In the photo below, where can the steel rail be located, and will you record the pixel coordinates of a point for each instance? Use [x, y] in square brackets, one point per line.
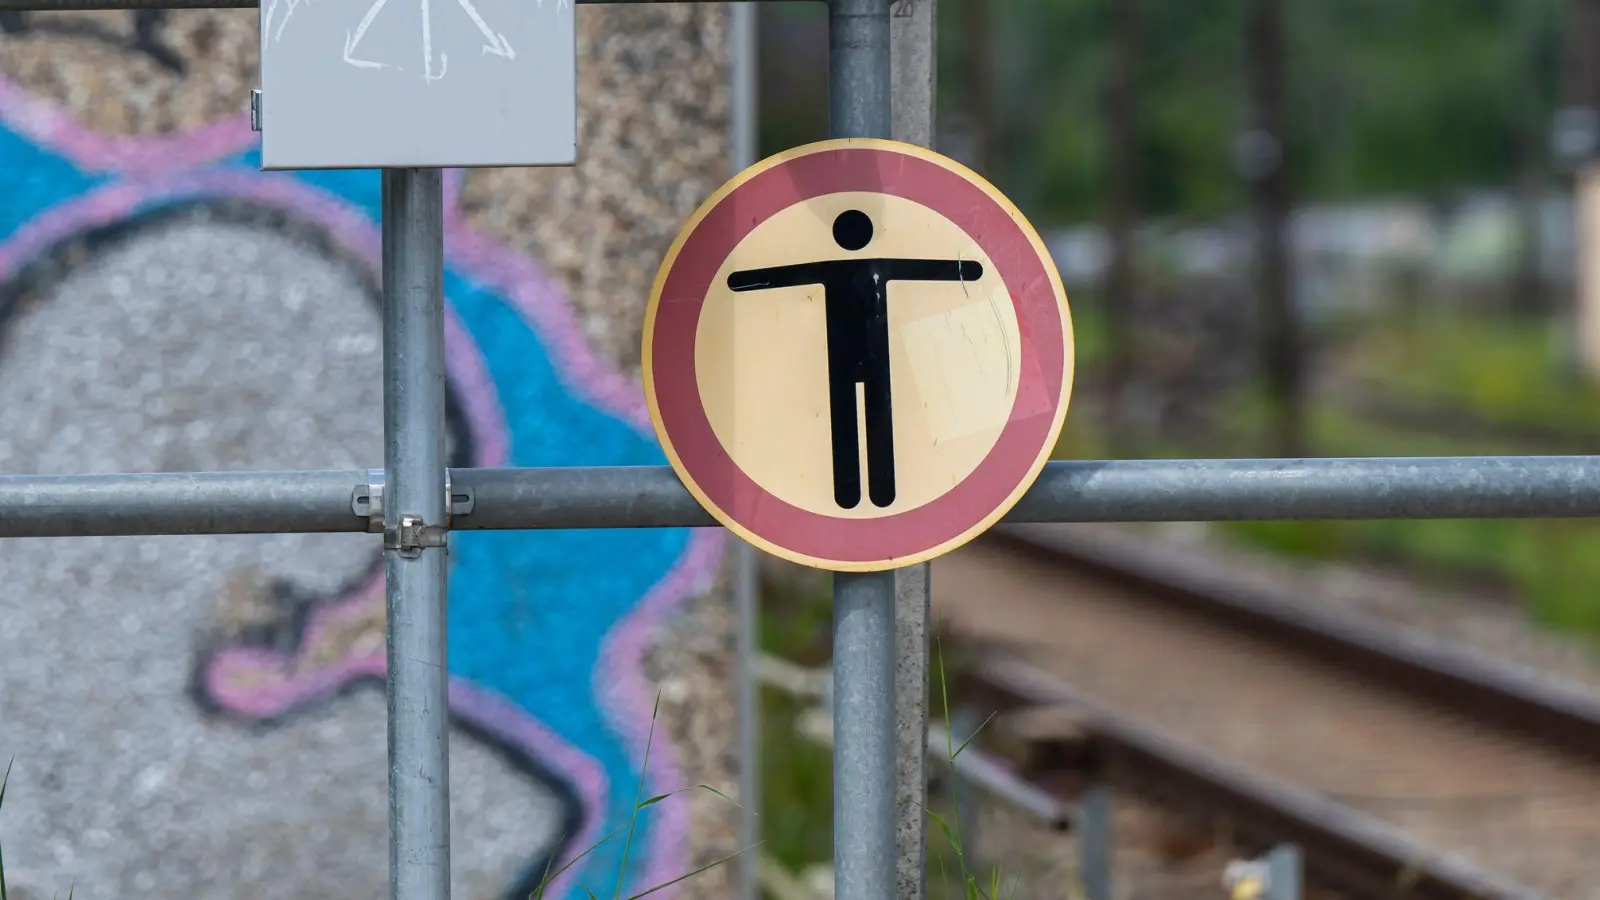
[1343, 848]
[1514, 700]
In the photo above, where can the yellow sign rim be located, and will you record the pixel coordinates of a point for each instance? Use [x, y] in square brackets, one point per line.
[1069, 357]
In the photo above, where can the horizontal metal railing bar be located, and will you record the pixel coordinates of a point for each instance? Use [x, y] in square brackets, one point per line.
[653, 497]
[1216, 490]
[285, 502]
[598, 497]
[85, 5]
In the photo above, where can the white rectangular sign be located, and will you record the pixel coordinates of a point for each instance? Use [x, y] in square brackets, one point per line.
[425, 83]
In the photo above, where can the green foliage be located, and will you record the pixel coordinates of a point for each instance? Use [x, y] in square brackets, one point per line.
[797, 778]
[796, 773]
[1088, 333]
[3, 782]
[1505, 376]
[1506, 371]
[970, 886]
[1552, 565]
[1385, 95]
[1500, 371]
[1410, 96]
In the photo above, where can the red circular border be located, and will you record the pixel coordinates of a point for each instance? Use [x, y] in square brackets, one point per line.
[677, 392]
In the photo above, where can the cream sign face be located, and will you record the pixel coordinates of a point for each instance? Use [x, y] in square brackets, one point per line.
[858, 355]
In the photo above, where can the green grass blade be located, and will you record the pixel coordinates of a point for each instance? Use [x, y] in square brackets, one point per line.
[544, 880]
[544, 884]
[949, 835]
[3, 782]
[695, 787]
[705, 868]
[633, 820]
[707, 787]
[944, 701]
[974, 736]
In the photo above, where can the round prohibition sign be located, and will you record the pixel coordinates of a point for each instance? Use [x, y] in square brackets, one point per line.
[858, 355]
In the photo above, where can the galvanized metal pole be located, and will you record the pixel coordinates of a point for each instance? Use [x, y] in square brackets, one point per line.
[858, 68]
[863, 604]
[414, 531]
[1158, 490]
[1095, 842]
[1284, 873]
[863, 727]
[914, 78]
[747, 583]
[747, 591]
[913, 610]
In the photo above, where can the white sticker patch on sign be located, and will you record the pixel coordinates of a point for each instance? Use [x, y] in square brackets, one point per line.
[964, 364]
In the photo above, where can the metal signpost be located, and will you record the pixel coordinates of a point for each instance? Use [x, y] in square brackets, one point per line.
[417, 502]
[414, 531]
[913, 46]
[857, 356]
[742, 83]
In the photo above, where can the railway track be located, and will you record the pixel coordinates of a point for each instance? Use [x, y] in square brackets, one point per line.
[1403, 769]
[1347, 851]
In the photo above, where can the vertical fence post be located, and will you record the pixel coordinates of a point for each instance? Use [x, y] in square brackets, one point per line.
[414, 533]
[747, 590]
[743, 118]
[1095, 842]
[1283, 873]
[863, 727]
[863, 603]
[911, 615]
[913, 85]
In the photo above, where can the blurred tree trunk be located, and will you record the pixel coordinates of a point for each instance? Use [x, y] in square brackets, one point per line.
[977, 20]
[1122, 165]
[1583, 93]
[1282, 352]
[1527, 285]
[1582, 67]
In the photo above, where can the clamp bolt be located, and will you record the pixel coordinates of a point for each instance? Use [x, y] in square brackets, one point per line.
[412, 536]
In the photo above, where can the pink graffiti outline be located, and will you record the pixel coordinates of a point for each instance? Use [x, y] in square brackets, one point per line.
[160, 161]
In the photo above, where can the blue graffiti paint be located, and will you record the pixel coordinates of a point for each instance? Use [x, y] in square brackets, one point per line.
[529, 611]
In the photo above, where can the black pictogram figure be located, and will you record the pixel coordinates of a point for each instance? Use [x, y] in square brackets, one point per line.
[855, 293]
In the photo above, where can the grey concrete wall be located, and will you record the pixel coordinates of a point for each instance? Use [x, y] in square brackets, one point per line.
[204, 717]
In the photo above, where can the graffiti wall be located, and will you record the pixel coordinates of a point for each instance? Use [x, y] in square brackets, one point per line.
[203, 717]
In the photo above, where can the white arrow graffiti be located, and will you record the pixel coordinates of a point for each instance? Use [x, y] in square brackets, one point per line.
[494, 42]
[351, 40]
[427, 49]
[272, 11]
